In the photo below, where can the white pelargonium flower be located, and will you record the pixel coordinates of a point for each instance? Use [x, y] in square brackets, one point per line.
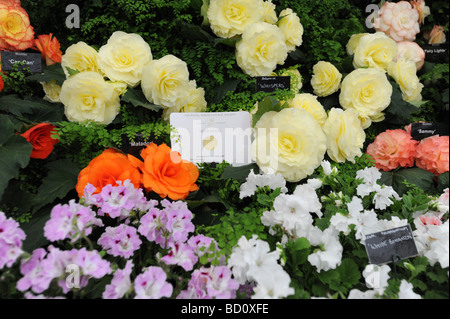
[330, 256]
[377, 277]
[255, 181]
[407, 292]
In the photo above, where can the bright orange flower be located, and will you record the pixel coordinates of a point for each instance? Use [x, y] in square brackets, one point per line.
[16, 33]
[2, 84]
[165, 173]
[50, 48]
[108, 168]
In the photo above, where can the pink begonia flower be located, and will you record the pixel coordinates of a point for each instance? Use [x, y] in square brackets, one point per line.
[11, 237]
[393, 148]
[152, 284]
[122, 240]
[437, 35]
[411, 51]
[432, 154]
[421, 8]
[398, 20]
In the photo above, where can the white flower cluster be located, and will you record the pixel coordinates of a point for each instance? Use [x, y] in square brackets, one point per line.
[255, 181]
[252, 262]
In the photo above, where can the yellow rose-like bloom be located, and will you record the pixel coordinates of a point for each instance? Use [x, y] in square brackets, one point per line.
[270, 15]
[124, 56]
[352, 43]
[375, 50]
[87, 96]
[289, 142]
[229, 18]
[80, 57]
[345, 136]
[165, 81]
[309, 102]
[369, 92]
[292, 29]
[193, 101]
[262, 47]
[296, 79]
[52, 91]
[326, 78]
[404, 73]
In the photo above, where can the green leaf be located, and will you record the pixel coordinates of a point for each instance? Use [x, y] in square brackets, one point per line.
[49, 73]
[239, 172]
[194, 32]
[416, 176]
[399, 111]
[221, 90]
[349, 272]
[266, 105]
[443, 182]
[14, 153]
[34, 231]
[32, 109]
[60, 180]
[137, 98]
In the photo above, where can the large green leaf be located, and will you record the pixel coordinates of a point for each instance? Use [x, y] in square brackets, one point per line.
[399, 111]
[137, 98]
[32, 109]
[34, 231]
[14, 153]
[416, 176]
[266, 105]
[239, 172]
[49, 73]
[60, 180]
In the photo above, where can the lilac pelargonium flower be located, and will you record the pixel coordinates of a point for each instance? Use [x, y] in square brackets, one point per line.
[182, 255]
[70, 221]
[117, 201]
[151, 284]
[122, 240]
[215, 282]
[11, 237]
[120, 284]
[179, 220]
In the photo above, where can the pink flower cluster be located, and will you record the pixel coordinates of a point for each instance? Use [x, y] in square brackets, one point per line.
[118, 201]
[168, 226]
[394, 148]
[11, 238]
[70, 221]
[43, 267]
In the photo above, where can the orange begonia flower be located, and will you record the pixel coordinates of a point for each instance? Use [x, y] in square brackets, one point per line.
[165, 173]
[50, 48]
[108, 168]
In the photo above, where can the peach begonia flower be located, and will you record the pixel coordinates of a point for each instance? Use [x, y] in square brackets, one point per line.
[398, 20]
[432, 154]
[16, 33]
[411, 51]
[393, 148]
[50, 48]
[422, 9]
[437, 35]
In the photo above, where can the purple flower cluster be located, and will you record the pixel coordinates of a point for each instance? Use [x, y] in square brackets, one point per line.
[70, 221]
[11, 237]
[43, 267]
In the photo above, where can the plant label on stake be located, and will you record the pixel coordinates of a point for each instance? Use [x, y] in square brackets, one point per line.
[419, 131]
[383, 245]
[273, 83]
[32, 61]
